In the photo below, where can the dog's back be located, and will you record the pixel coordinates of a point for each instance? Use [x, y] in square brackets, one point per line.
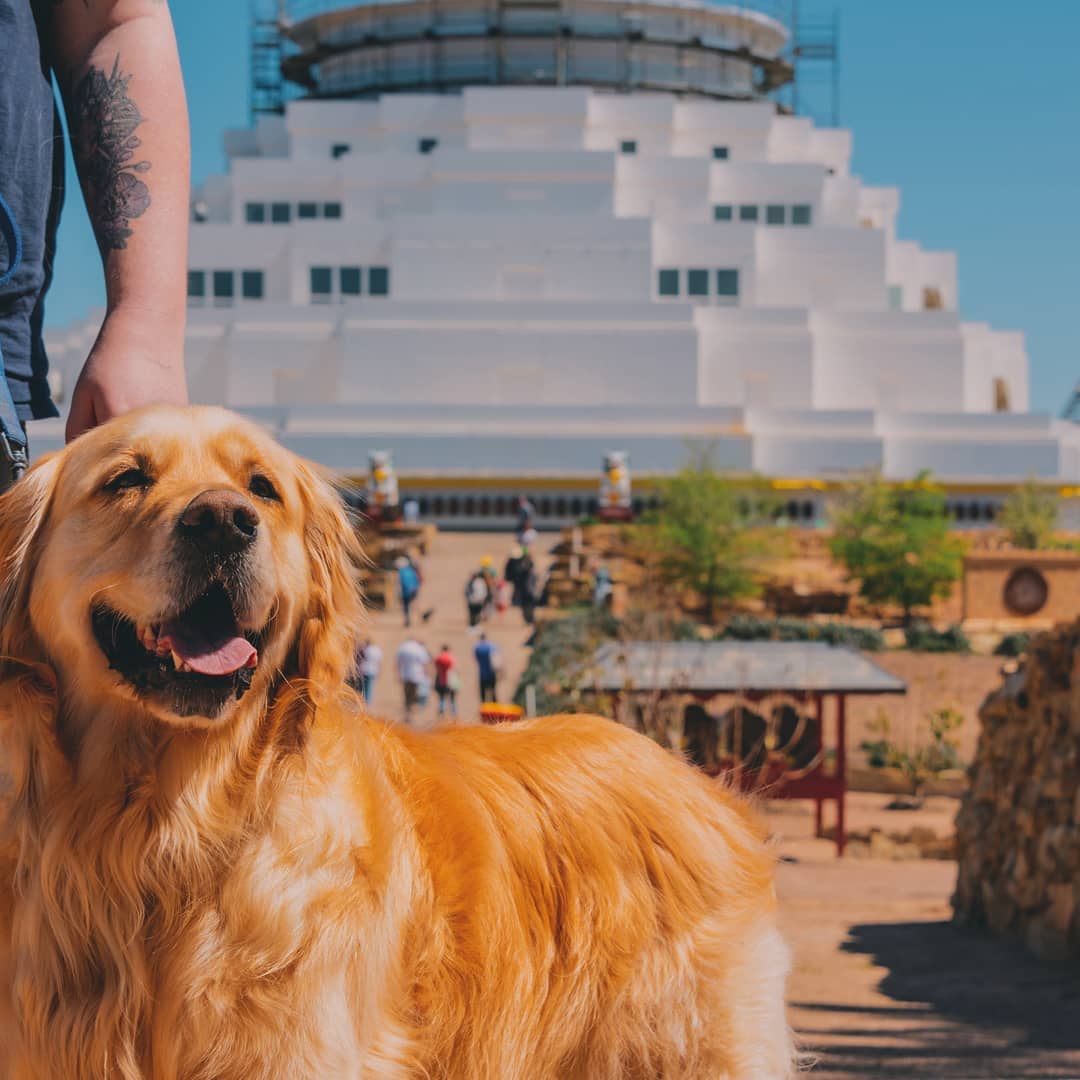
[596, 909]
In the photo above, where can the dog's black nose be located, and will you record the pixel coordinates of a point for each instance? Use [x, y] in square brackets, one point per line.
[219, 522]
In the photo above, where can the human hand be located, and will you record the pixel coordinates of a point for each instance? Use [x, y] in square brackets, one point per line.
[133, 362]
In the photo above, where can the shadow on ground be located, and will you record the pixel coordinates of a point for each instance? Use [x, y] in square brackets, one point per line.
[967, 1006]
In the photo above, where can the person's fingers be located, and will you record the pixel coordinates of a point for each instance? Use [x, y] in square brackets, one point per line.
[81, 416]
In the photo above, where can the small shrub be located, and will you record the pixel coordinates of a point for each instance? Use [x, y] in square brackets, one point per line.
[1013, 645]
[922, 637]
[754, 628]
[928, 760]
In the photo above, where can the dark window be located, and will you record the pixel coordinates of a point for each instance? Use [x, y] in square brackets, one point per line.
[668, 283]
[543, 507]
[723, 212]
[775, 214]
[748, 213]
[453, 506]
[801, 214]
[437, 506]
[485, 505]
[255, 213]
[378, 281]
[593, 506]
[321, 281]
[720, 153]
[628, 146]
[697, 282]
[331, 210]
[422, 505]
[280, 213]
[340, 149]
[961, 512]
[576, 506]
[560, 507]
[654, 503]
[500, 505]
[223, 284]
[469, 506]
[350, 281]
[196, 283]
[307, 210]
[727, 282]
[251, 284]
[426, 145]
[792, 510]
[639, 507]
[808, 511]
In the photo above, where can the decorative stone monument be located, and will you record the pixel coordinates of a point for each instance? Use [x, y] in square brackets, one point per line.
[616, 503]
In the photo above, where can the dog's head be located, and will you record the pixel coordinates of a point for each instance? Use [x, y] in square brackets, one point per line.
[176, 558]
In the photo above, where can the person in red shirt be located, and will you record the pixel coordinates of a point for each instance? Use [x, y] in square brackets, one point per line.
[446, 681]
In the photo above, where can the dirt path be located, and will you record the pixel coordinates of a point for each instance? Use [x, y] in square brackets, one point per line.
[884, 986]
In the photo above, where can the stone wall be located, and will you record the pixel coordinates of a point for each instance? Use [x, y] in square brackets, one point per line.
[1018, 829]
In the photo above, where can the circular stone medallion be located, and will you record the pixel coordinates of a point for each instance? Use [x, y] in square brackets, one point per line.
[1026, 591]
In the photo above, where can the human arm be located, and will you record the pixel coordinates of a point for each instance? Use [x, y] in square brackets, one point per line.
[119, 72]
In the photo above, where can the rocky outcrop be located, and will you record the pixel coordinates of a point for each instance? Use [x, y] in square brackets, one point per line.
[1018, 829]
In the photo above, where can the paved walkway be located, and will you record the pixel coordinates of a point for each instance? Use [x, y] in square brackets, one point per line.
[452, 559]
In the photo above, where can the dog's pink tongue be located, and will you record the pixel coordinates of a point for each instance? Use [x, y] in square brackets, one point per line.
[210, 655]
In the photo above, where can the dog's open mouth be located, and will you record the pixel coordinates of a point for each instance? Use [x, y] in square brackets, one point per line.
[200, 653]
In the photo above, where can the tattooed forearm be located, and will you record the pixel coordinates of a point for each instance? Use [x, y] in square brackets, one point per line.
[104, 120]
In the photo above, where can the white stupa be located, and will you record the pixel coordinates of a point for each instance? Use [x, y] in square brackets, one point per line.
[502, 239]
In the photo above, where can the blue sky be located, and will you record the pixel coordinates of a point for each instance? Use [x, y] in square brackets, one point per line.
[970, 107]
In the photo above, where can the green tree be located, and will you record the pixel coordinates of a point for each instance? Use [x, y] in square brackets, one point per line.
[895, 540]
[711, 534]
[1029, 517]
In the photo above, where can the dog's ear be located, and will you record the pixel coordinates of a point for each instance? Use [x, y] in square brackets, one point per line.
[328, 632]
[24, 510]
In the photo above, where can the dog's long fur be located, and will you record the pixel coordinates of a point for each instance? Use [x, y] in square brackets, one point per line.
[298, 891]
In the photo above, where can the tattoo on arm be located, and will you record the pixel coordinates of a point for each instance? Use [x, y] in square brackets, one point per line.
[103, 121]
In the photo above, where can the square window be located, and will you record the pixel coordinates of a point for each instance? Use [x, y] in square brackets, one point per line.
[775, 215]
[307, 210]
[340, 149]
[223, 284]
[628, 146]
[331, 210]
[196, 283]
[378, 281]
[426, 145]
[727, 282]
[668, 283]
[322, 281]
[697, 282]
[720, 153]
[251, 284]
[748, 213]
[255, 213]
[723, 213]
[280, 213]
[801, 214]
[350, 280]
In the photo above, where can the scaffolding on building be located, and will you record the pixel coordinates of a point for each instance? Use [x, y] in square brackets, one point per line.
[803, 81]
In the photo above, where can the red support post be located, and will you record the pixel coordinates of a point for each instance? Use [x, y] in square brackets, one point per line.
[841, 770]
[819, 804]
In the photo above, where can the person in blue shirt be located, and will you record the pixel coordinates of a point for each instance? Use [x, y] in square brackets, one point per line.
[487, 662]
[117, 68]
[408, 586]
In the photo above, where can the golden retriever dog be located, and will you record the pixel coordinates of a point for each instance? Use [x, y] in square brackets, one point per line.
[216, 867]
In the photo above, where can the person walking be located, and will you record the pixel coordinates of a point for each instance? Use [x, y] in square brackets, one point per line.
[526, 515]
[368, 665]
[447, 681]
[476, 596]
[412, 664]
[531, 589]
[487, 663]
[124, 95]
[408, 585]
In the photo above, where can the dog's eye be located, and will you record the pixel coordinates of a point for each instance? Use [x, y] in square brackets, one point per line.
[128, 479]
[261, 487]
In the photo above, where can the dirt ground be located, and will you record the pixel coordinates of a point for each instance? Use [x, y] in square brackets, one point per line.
[884, 986]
